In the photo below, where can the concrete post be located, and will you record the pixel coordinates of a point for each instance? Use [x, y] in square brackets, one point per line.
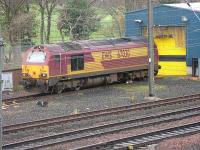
[151, 49]
[1, 68]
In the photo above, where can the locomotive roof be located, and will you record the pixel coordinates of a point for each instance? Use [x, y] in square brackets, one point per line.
[50, 47]
[94, 44]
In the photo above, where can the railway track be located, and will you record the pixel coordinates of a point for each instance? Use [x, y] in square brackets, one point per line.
[11, 100]
[93, 114]
[19, 99]
[35, 96]
[146, 138]
[110, 128]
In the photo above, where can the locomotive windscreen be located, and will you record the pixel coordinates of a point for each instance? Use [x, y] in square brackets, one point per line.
[36, 57]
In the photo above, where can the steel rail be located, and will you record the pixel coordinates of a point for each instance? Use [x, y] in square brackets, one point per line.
[145, 138]
[164, 117]
[88, 115]
[22, 98]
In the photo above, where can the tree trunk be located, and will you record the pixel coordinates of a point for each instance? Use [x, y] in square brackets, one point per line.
[27, 6]
[130, 5]
[48, 27]
[71, 36]
[17, 54]
[42, 26]
[49, 9]
[10, 49]
[62, 36]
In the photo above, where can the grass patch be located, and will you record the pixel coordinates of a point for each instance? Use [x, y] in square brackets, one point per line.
[103, 31]
[137, 87]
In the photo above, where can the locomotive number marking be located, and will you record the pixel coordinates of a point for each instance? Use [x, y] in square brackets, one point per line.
[123, 53]
[107, 55]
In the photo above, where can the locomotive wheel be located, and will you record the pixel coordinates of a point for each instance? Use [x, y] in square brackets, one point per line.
[77, 88]
[28, 88]
[59, 89]
[46, 89]
[145, 78]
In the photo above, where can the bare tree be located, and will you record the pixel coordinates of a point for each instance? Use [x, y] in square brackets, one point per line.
[62, 23]
[130, 5]
[10, 9]
[78, 19]
[46, 8]
[41, 3]
[15, 15]
[49, 5]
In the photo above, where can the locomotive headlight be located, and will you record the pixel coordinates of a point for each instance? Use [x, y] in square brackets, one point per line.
[43, 75]
[24, 74]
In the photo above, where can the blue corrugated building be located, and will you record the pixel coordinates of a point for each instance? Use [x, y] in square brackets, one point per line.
[176, 33]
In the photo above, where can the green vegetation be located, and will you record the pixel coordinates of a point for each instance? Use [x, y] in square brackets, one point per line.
[102, 33]
[55, 35]
[48, 21]
[105, 25]
[77, 19]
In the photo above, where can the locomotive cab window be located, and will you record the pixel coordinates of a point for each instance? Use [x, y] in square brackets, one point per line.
[36, 57]
[57, 58]
[77, 62]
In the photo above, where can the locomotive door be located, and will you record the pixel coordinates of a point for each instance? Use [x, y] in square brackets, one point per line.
[63, 69]
[59, 64]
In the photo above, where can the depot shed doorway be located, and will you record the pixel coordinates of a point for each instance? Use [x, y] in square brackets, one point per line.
[171, 44]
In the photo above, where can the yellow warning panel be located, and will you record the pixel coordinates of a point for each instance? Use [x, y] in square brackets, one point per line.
[172, 65]
[167, 46]
[177, 32]
[172, 68]
[165, 42]
[171, 45]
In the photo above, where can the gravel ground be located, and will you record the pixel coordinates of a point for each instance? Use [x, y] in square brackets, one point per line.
[8, 95]
[77, 125]
[98, 98]
[184, 143]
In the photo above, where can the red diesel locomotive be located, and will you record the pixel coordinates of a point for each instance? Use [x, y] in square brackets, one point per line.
[55, 67]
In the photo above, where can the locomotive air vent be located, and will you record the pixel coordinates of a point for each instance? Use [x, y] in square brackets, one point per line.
[39, 47]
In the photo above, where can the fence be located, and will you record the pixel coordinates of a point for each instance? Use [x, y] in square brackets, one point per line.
[13, 55]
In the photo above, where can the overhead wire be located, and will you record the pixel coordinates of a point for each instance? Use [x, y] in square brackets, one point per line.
[188, 3]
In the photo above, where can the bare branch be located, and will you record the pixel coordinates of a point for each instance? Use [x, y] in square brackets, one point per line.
[76, 22]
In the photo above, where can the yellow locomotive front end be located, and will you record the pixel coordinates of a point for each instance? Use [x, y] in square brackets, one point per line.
[35, 70]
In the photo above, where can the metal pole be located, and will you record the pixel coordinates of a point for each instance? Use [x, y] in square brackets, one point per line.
[151, 49]
[198, 67]
[1, 68]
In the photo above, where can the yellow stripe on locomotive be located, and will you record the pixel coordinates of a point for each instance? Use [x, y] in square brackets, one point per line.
[100, 56]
